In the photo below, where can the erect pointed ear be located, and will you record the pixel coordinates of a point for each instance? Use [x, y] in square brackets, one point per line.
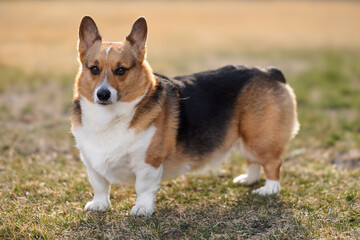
[137, 38]
[88, 35]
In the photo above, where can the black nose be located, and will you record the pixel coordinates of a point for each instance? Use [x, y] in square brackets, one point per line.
[103, 94]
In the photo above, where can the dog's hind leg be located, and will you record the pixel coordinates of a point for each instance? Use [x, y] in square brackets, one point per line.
[272, 172]
[268, 121]
[266, 151]
[251, 176]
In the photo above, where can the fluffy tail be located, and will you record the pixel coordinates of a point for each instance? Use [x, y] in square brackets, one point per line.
[296, 124]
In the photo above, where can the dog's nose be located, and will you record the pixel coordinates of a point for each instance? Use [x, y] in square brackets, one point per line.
[103, 94]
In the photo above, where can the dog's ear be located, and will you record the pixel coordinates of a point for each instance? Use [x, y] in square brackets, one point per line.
[137, 38]
[88, 35]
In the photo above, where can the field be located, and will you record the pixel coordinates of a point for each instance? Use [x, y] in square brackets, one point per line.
[44, 186]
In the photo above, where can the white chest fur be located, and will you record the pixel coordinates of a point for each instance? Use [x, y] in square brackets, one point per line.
[106, 142]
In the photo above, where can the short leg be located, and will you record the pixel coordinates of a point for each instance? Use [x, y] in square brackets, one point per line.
[272, 184]
[147, 184]
[101, 187]
[252, 174]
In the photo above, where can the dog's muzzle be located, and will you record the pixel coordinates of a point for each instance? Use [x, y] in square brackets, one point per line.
[103, 95]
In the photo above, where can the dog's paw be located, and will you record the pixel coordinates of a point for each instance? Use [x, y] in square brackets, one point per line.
[142, 210]
[271, 187]
[97, 206]
[245, 179]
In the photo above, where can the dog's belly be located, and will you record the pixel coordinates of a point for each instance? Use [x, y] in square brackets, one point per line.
[114, 153]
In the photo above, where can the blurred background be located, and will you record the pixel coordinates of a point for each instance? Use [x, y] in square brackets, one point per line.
[42, 35]
[315, 43]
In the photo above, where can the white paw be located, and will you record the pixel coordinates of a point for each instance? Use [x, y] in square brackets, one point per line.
[142, 210]
[271, 187]
[97, 206]
[245, 179]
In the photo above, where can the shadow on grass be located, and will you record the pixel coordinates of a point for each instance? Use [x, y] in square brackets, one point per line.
[242, 215]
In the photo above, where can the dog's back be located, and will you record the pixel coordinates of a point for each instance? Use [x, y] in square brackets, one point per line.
[208, 103]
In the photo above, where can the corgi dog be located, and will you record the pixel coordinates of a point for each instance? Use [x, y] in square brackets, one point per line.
[132, 126]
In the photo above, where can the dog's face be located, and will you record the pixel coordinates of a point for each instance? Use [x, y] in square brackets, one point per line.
[112, 71]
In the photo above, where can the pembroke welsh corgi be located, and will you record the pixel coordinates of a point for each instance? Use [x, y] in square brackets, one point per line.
[134, 126]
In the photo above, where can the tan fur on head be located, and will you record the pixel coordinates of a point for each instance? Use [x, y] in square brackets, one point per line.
[108, 57]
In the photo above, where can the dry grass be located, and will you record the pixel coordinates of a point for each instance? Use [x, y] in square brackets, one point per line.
[44, 186]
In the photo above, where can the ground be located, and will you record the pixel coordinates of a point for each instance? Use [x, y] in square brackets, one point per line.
[44, 185]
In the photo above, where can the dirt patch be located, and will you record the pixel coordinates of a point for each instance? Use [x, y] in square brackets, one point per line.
[349, 159]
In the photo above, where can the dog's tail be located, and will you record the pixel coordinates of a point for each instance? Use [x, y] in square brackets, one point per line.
[276, 74]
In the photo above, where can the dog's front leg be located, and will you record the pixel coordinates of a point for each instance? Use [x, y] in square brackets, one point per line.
[147, 184]
[101, 187]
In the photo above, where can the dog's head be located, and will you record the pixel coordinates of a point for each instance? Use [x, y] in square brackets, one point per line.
[112, 71]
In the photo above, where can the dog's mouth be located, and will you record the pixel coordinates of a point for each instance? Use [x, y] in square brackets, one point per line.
[108, 102]
[104, 103]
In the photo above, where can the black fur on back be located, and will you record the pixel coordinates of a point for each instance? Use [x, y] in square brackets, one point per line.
[207, 102]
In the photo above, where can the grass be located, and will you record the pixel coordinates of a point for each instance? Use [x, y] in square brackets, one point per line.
[44, 186]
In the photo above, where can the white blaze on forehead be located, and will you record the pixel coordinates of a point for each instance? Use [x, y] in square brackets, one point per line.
[108, 50]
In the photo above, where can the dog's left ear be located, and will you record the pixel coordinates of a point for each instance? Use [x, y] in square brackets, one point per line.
[137, 38]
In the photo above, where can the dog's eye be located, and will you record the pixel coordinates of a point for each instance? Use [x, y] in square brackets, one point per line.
[94, 70]
[120, 71]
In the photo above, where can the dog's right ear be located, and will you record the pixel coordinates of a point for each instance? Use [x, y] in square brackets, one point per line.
[88, 35]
